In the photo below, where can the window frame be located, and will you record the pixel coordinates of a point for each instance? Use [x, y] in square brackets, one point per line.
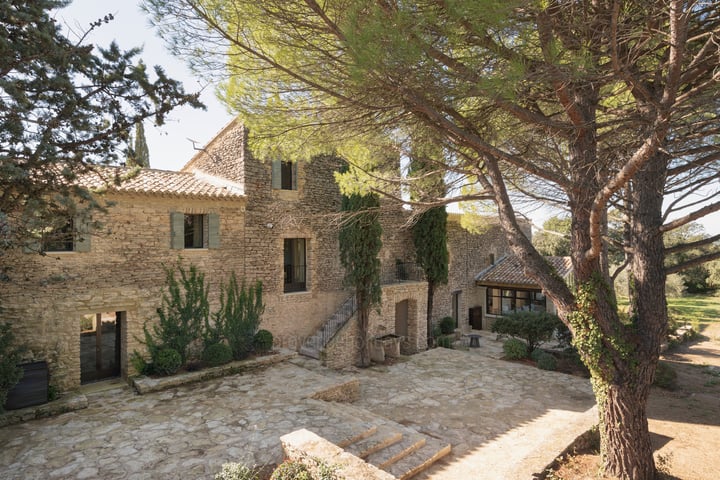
[210, 231]
[295, 265]
[284, 175]
[534, 299]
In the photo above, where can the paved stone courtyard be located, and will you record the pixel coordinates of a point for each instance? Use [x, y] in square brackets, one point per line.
[504, 420]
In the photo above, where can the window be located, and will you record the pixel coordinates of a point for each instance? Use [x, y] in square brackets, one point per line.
[74, 236]
[284, 175]
[194, 230]
[500, 301]
[294, 265]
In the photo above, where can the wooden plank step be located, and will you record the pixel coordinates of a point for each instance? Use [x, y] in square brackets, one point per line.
[382, 438]
[394, 453]
[420, 460]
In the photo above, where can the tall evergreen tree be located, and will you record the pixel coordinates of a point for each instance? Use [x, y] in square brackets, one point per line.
[65, 108]
[360, 243]
[139, 156]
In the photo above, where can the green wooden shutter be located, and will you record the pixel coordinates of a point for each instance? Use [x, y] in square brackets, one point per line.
[81, 233]
[177, 230]
[276, 174]
[213, 230]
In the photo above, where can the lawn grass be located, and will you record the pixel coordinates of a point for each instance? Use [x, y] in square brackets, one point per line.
[693, 309]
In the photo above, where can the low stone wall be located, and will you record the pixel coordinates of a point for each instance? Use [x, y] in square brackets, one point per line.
[68, 403]
[304, 446]
[346, 392]
[145, 385]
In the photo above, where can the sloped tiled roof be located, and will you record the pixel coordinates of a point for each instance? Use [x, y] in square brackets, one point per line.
[160, 182]
[508, 271]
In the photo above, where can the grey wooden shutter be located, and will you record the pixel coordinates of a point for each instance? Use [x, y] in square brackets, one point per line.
[81, 233]
[294, 175]
[276, 174]
[177, 230]
[213, 230]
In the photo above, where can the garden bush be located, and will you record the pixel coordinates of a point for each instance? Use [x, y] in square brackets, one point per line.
[515, 349]
[447, 325]
[263, 341]
[665, 376]
[216, 354]
[167, 361]
[236, 471]
[10, 355]
[290, 470]
[545, 361]
[533, 327]
[239, 315]
[445, 341]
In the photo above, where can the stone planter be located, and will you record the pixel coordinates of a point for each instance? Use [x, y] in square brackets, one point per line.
[390, 345]
[377, 352]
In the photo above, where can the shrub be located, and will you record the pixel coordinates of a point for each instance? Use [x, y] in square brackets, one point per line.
[236, 471]
[533, 327]
[239, 315]
[436, 331]
[141, 366]
[546, 361]
[445, 341]
[290, 470]
[10, 355]
[263, 341]
[167, 362]
[665, 376]
[447, 325]
[216, 354]
[515, 349]
[184, 308]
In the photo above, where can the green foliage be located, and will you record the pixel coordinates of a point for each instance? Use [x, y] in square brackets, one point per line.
[445, 341]
[545, 361]
[217, 354]
[436, 331]
[533, 327]
[236, 471]
[263, 341]
[140, 155]
[430, 240]
[515, 349]
[141, 366]
[360, 243]
[696, 278]
[239, 315]
[554, 239]
[310, 468]
[185, 308]
[665, 376]
[10, 356]
[167, 362]
[447, 325]
[66, 107]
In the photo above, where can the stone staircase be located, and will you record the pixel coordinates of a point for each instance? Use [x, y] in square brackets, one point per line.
[315, 344]
[400, 451]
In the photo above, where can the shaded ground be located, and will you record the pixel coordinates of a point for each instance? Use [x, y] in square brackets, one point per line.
[685, 422]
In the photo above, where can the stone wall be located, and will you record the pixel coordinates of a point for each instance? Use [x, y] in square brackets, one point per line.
[344, 349]
[122, 272]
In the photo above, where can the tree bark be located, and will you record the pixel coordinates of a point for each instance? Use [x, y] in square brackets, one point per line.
[363, 318]
[430, 300]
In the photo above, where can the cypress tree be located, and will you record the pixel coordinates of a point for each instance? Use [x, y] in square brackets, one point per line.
[140, 155]
[360, 243]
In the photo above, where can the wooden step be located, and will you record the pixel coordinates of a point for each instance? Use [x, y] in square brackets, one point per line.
[420, 460]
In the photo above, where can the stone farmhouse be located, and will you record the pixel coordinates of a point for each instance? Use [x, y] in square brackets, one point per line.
[81, 306]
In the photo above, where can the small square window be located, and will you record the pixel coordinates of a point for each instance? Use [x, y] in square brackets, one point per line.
[195, 231]
[59, 239]
[284, 175]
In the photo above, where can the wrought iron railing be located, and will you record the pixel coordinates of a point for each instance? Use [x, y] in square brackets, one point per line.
[295, 278]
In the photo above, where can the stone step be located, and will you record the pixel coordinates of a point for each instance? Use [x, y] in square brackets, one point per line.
[392, 454]
[357, 437]
[419, 460]
[381, 439]
[309, 352]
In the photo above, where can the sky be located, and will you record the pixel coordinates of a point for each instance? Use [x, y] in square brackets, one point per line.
[171, 145]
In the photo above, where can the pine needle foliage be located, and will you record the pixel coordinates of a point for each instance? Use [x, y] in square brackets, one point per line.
[239, 316]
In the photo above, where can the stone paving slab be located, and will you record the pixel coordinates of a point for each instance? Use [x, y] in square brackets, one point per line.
[489, 410]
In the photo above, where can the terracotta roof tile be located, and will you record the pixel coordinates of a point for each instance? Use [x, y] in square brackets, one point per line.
[509, 271]
[160, 182]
